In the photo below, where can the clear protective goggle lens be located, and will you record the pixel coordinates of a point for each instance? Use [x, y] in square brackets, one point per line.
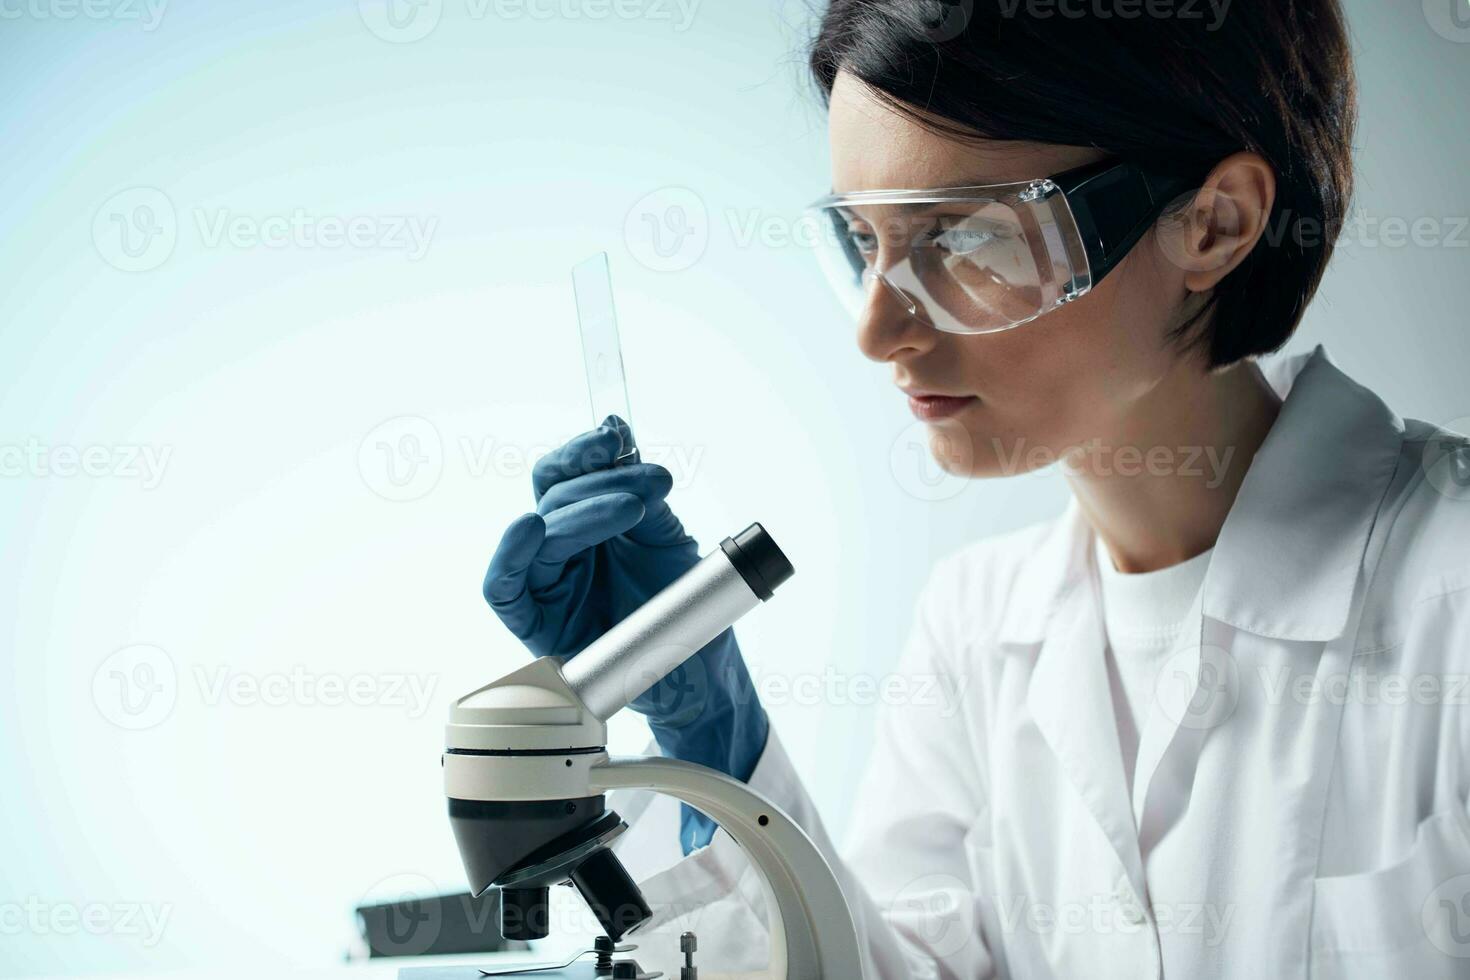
[964, 260]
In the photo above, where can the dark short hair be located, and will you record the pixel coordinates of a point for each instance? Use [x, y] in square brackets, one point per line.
[1169, 84]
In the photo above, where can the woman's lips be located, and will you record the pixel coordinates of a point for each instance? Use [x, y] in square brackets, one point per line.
[927, 408]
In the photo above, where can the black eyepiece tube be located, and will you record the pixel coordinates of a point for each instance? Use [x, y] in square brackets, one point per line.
[755, 556]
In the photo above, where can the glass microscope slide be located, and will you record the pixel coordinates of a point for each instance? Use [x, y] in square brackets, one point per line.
[601, 352]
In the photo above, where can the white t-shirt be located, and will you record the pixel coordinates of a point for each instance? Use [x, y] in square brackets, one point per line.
[1144, 613]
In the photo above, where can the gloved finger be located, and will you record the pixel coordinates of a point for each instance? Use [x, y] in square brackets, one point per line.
[648, 481]
[505, 580]
[587, 453]
[577, 527]
[625, 434]
[660, 527]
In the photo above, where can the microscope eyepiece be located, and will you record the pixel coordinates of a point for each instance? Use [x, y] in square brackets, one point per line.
[755, 556]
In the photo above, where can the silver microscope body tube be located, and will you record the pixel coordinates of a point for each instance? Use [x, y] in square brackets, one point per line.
[677, 622]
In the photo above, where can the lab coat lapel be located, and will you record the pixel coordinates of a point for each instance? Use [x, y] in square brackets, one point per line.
[1070, 700]
[1191, 692]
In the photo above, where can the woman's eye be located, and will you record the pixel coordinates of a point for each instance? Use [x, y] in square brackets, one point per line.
[864, 241]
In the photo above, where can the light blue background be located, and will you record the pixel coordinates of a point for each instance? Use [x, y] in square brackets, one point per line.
[272, 376]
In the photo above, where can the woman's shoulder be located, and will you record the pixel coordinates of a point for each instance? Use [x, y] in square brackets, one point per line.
[1421, 569]
[987, 588]
[998, 557]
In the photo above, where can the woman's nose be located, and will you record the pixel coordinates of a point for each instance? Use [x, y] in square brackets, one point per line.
[890, 326]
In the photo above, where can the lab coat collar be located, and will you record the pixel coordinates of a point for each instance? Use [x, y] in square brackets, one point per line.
[1287, 559]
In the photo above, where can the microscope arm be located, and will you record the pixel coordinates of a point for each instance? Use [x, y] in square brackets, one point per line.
[812, 933]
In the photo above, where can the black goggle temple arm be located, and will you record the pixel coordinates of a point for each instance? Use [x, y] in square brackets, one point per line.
[1114, 204]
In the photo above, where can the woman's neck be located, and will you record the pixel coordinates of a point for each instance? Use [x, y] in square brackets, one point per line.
[1159, 493]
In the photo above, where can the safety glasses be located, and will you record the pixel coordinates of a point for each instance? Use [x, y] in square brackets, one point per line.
[984, 259]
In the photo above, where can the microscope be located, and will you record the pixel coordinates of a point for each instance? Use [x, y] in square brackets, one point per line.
[526, 769]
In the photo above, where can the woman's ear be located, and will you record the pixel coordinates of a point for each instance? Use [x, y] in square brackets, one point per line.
[1224, 221]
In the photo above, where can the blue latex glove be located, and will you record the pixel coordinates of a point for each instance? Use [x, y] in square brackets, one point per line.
[601, 542]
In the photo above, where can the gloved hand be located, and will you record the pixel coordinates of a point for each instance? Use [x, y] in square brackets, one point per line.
[600, 543]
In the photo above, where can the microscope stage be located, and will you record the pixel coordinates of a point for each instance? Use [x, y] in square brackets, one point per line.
[577, 971]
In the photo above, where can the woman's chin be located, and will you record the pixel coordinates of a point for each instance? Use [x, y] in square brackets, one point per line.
[960, 450]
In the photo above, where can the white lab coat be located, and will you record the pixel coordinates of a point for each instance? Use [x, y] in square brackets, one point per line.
[1299, 806]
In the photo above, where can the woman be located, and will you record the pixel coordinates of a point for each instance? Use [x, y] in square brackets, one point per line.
[1210, 724]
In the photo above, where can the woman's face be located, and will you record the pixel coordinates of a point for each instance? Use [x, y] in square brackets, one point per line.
[1022, 397]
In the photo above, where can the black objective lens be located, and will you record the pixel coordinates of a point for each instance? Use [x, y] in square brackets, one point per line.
[611, 893]
[525, 913]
